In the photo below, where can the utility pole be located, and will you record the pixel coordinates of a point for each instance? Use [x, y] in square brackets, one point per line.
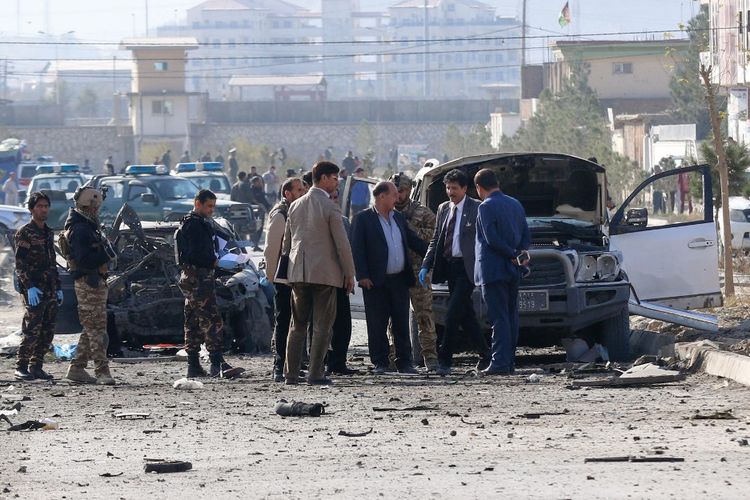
[146, 17]
[426, 51]
[523, 43]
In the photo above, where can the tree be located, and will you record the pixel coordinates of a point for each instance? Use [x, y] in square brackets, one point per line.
[573, 122]
[88, 103]
[475, 141]
[738, 159]
[688, 94]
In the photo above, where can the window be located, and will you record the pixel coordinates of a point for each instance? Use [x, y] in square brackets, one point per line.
[161, 107]
[136, 190]
[622, 68]
[115, 189]
[161, 66]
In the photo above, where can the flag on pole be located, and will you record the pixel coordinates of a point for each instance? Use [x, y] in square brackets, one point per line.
[564, 18]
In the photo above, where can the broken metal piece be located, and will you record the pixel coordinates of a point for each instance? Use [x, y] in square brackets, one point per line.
[717, 415]
[168, 467]
[110, 474]
[132, 416]
[407, 408]
[543, 414]
[355, 434]
[299, 409]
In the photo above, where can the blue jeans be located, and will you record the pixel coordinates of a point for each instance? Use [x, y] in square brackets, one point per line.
[501, 298]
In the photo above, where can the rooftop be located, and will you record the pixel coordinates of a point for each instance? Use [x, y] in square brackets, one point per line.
[276, 81]
[160, 43]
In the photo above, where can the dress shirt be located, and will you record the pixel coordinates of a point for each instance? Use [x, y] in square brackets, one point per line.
[396, 259]
[459, 210]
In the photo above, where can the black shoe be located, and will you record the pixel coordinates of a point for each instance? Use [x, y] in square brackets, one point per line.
[291, 381]
[344, 370]
[490, 371]
[443, 371]
[37, 373]
[222, 369]
[408, 369]
[320, 381]
[379, 370]
[484, 363]
[22, 373]
[278, 376]
[195, 370]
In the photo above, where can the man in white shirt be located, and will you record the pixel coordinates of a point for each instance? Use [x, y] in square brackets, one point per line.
[10, 188]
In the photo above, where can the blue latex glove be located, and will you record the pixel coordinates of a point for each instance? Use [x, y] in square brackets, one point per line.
[423, 276]
[33, 296]
[59, 297]
[263, 281]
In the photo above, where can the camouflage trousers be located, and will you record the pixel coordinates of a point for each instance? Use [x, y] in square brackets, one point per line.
[203, 321]
[92, 313]
[38, 329]
[421, 307]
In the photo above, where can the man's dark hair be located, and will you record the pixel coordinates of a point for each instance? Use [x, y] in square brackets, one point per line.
[204, 195]
[308, 179]
[289, 185]
[241, 176]
[486, 179]
[35, 197]
[457, 176]
[381, 187]
[323, 168]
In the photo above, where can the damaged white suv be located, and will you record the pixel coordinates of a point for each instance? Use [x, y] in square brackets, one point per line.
[584, 266]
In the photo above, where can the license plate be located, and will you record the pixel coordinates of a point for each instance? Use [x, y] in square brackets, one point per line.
[531, 301]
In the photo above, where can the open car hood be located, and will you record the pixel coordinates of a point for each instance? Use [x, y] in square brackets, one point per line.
[546, 184]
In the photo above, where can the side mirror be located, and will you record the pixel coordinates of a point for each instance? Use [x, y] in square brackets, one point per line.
[149, 198]
[636, 217]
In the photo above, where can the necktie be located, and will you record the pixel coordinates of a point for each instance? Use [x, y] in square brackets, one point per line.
[448, 245]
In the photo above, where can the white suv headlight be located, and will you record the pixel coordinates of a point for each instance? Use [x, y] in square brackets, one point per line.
[598, 267]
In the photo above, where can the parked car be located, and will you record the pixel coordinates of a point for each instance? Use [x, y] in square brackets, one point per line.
[145, 305]
[583, 267]
[59, 182]
[208, 175]
[739, 223]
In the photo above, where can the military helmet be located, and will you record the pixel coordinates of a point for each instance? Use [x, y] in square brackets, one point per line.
[401, 180]
[87, 196]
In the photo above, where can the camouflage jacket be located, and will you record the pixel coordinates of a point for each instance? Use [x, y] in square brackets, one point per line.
[421, 220]
[36, 264]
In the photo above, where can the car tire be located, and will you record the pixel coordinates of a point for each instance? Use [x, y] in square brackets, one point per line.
[615, 335]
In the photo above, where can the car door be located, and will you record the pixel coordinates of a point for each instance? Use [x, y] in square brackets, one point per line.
[143, 200]
[114, 199]
[667, 235]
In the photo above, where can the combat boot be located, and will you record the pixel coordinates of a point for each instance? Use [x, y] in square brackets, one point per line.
[194, 366]
[104, 377]
[22, 372]
[37, 372]
[80, 375]
[220, 368]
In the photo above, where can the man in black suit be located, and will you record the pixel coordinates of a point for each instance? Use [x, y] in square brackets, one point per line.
[451, 256]
[380, 238]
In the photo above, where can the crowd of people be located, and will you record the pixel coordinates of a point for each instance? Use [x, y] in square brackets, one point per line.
[393, 249]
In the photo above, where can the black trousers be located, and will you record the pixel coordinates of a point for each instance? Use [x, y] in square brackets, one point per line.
[389, 301]
[342, 332]
[460, 314]
[282, 303]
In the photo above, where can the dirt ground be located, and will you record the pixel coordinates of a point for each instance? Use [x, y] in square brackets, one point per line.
[469, 443]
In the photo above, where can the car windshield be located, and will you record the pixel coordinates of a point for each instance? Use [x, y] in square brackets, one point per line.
[28, 171]
[216, 183]
[172, 188]
[66, 183]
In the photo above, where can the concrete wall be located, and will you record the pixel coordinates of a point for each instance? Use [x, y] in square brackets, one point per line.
[307, 141]
[75, 144]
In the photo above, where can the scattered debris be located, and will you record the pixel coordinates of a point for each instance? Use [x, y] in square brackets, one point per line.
[425, 421]
[185, 384]
[632, 458]
[355, 434]
[29, 425]
[543, 414]
[577, 350]
[717, 415]
[534, 378]
[168, 467]
[407, 408]
[22, 469]
[151, 431]
[110, 474]
[641, 375]
[299, 409]
[470, 423]
[132, 416]
[453, 433]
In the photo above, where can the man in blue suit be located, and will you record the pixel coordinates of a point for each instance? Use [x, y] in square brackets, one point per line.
[502, 245]
[451, 257]
[380, 239]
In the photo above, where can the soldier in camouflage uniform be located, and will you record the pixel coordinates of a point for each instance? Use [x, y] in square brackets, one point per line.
[197, 260]
[88, 252]
[421, 220]
[39, 285]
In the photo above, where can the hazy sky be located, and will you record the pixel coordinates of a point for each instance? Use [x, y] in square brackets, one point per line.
[114, 19]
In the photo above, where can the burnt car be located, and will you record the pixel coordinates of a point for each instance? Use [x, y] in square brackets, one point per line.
[145, 305]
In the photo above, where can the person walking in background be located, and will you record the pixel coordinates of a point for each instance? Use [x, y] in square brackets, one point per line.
[502, 245]
[271, 185]
[291, 191]
[166, 159]
[10, 189]
[258, 198]
[451, 257]
[320, 261]
[421, 220]
[233, 165]
[39, 282]
[219, 158]
[348, 162]
[109, 166]
[380, 240]
[206, 157]
[185, 158]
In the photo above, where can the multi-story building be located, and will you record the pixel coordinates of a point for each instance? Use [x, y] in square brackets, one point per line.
[361, 54]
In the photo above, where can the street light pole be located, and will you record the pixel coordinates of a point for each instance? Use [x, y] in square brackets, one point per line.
[426, 51]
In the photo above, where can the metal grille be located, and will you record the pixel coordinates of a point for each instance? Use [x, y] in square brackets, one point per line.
[545, 271]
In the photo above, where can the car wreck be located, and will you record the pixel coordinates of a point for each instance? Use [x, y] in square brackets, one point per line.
[145, 305]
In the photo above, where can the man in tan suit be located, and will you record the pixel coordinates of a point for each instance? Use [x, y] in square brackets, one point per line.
[320, 261]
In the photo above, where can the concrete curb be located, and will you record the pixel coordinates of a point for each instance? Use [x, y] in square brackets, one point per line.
[705, 356]
[643, 342]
